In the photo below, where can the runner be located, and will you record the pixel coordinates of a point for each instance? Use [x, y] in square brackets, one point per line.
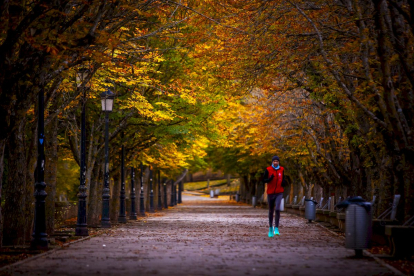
[273, 176]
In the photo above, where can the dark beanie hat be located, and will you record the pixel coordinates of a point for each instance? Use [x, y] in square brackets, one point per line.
[275, 158]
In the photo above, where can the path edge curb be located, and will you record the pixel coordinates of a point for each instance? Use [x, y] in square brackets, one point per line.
[369, 254]
[45, 253]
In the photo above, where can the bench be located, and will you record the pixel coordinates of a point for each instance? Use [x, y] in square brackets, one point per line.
[333, 215]
[296, 207]
[320, 213]
[401, 239]
[289, 206]
[319, 206]
[386, 218]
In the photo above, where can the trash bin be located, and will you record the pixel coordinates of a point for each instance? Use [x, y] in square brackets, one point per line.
[254, 201]
[237, 197]
[211, 193]
[310, 209]
[358, 224]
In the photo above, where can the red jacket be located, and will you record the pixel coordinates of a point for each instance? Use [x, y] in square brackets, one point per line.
[274, 186]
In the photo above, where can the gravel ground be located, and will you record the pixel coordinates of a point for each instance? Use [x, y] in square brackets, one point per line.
[206, 236]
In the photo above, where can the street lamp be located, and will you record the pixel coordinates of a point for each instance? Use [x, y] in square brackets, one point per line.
[159, 191]
[151, 210]
[39, 230]
[107, 98]
[81, 226]
[133, 214]
[122, 216]
[141, 196]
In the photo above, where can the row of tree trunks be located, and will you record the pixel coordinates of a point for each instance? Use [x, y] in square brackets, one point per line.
[15, 220]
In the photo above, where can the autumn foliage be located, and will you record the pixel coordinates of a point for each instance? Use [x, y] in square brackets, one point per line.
[326, 85]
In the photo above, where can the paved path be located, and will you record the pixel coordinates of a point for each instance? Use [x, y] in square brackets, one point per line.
[207, 237]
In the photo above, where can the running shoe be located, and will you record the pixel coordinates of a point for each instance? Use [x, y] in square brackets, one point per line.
[271, 235]
[277, 231]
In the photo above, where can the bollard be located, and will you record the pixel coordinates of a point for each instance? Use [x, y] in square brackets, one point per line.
[211, 194]
[237, 197]
[254, 201]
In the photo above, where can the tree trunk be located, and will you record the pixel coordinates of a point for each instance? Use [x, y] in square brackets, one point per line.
[15, 190]
[51, 145]
[115, 192]
[2, 165]
[95, 198]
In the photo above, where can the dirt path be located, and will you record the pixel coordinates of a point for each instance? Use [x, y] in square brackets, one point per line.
[206, 237]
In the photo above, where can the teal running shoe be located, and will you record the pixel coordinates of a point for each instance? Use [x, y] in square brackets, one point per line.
[271, 235]
[277, 231]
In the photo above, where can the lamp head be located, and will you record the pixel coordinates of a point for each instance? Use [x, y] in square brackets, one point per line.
[107, 99]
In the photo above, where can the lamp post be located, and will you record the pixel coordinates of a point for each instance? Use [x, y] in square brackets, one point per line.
[122, 216]
[39, 230]
[81, 225]
[165, 196]
[180, 189]
[151, 210]
[141, 197]
[133, 214]
[107, 98]
[159, 191]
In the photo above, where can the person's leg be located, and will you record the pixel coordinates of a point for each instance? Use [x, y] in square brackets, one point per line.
[278, 201]
[271, 202]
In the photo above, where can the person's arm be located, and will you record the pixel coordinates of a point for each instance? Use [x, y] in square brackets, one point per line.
[266, 178]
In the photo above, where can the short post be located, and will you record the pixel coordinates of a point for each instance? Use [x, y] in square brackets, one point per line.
[133, 214]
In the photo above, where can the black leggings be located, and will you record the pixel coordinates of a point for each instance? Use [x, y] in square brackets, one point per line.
[273, 201]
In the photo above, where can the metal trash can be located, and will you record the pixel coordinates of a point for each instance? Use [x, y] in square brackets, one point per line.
[237, 197]
[211, 193]
[254, 201]
[310, 209]
[358, 224]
